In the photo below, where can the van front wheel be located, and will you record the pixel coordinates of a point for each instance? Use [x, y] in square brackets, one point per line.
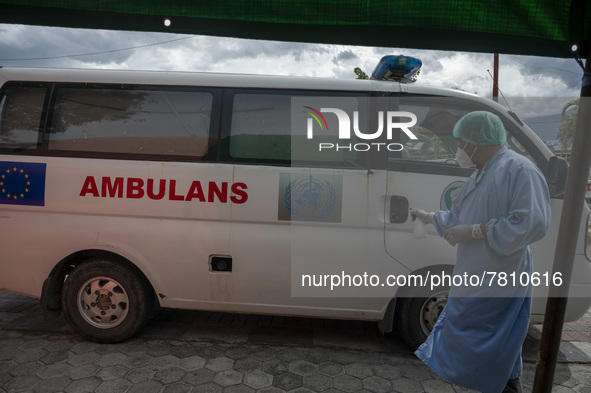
[106, 302]
[416, 316]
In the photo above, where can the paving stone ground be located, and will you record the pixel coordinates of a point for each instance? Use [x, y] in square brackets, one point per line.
[213, 352]
[62, 362]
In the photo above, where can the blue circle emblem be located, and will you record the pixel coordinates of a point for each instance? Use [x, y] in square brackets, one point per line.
[310, 198]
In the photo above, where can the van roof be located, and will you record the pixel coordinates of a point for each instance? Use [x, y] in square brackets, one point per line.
[182, 78]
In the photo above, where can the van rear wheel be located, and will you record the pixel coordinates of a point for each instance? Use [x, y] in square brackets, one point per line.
[106, 302]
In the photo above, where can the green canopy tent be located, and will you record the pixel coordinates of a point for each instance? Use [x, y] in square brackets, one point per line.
[532, 27]
[526, 27]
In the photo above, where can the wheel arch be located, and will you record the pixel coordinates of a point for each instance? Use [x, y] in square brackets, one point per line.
[53, 285]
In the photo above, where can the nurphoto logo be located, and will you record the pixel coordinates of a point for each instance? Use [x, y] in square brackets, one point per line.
[387, 121]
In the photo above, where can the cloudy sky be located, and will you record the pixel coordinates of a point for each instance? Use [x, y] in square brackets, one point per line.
[555, 80]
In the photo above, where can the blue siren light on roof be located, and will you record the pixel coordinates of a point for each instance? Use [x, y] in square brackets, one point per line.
[399, 68]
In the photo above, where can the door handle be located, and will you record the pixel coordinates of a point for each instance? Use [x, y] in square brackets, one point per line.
[399, 208]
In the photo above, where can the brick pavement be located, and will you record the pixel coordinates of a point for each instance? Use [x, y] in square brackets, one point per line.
[182, 351]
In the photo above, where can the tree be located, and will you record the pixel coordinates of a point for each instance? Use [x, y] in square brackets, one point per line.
[566, 131]
[362, 75]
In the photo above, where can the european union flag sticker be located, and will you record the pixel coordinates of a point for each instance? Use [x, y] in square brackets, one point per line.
[22, 183]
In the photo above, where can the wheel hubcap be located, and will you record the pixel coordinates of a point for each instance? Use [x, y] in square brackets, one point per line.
[431, 310]
[103, 302]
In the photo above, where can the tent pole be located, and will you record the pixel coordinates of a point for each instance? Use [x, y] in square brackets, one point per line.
[568, 234]
[495, 92]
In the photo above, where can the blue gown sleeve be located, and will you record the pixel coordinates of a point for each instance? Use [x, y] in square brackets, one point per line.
[443, 220]
[528, 206]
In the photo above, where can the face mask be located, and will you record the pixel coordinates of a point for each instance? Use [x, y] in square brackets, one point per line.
[464, 159]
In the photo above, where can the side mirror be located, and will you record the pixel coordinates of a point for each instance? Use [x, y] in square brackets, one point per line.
[556, 176]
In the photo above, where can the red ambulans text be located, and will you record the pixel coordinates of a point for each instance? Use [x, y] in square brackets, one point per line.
[157, 189]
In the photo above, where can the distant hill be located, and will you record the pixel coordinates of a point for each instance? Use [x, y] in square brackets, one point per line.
[544, 126]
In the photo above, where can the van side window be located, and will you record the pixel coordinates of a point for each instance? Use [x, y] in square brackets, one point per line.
[20, 117]
[436, 118]
[435, 122]
[514, 144]
[267, 127]
[132, 121]
[261, 127]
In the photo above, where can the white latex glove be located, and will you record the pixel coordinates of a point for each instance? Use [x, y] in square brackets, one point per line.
[462, 233]
[425, 217]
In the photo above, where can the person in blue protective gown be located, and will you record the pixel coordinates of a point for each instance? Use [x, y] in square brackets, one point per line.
[503, 208]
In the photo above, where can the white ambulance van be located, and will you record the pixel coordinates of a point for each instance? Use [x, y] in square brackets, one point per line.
[123, 190]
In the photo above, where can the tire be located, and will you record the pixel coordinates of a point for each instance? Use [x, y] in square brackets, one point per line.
[415, 316]
[106, 302]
